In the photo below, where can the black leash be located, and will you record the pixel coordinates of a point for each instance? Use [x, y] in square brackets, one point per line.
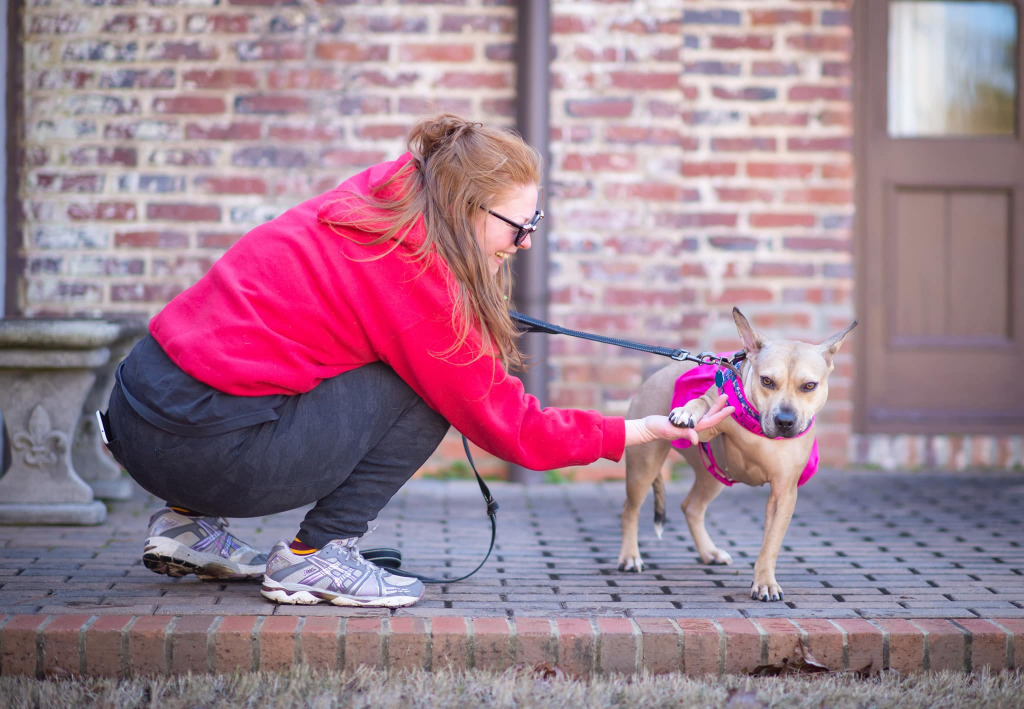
[392, 558]
[535, 325]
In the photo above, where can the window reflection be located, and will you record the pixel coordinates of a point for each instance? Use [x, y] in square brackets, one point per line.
[952, 68]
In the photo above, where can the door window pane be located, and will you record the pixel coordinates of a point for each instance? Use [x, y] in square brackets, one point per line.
[952, 68]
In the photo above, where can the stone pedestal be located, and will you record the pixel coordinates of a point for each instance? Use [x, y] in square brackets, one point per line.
[47, 369]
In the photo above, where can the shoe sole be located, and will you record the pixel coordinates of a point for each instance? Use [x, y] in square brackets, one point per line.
[166, 556]
[299, 596]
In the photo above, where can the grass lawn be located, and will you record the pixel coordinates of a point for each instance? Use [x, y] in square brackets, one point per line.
[520, 687]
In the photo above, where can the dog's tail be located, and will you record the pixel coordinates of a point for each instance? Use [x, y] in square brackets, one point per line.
[659, 504]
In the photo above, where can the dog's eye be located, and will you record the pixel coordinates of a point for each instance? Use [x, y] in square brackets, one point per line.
[810, 386]
[767, 382]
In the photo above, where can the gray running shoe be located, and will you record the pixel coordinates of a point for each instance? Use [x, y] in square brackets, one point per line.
[338, 574]
[179, 545]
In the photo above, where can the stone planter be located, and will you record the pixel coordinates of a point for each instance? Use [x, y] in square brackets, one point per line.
[50, 371]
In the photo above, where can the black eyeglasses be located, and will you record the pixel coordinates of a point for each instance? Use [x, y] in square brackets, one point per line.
[524, 229]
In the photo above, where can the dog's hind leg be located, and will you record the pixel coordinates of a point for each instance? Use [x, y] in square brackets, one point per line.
[643, 468]
[705, 489]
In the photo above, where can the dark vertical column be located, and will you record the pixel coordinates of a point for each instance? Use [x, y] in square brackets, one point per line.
[530, 268]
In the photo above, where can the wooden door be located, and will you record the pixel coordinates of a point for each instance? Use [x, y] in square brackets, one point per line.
[940, 216]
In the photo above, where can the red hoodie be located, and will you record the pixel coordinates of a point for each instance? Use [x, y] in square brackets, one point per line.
[293, 303]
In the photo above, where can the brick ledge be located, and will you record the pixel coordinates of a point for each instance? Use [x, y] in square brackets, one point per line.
[122, 645]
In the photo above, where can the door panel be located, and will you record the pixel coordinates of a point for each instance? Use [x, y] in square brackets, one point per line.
[940, 220]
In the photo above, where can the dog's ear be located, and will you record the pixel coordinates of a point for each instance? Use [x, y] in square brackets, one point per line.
[752, 340]
[829, 347]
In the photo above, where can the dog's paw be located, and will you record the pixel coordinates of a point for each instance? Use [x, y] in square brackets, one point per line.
[769, 591]
[633, 564]
[682, 418]
[716, 557]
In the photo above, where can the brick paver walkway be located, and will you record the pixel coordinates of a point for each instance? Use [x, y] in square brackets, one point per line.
[884, 564]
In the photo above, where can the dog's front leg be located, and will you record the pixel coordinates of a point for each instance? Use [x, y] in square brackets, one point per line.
[690, 413]
[779, 512]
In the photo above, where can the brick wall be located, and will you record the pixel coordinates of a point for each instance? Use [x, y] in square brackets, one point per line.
[703, 161]
[701, 158]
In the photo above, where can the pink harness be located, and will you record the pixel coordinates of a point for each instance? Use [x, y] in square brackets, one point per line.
[694, 383]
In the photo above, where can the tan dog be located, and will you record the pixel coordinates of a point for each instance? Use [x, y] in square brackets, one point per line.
[787, 383]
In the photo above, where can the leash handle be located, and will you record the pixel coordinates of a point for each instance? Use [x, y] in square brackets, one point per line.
[392, 558]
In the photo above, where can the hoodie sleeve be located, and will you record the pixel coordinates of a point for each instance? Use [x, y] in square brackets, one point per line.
[490, 406]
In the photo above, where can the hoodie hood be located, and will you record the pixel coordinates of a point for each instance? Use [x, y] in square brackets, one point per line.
[346, 205]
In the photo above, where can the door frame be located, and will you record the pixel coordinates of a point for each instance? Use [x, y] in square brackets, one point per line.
[866, 46]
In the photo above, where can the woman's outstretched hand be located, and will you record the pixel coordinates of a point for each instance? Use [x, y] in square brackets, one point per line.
[651, 428]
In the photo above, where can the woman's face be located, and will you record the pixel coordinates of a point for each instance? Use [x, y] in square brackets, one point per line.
[497, 238]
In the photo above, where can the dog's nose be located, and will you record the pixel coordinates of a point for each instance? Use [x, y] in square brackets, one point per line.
[785, 420]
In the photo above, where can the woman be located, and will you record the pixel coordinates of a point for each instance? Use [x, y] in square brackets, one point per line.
[324, 356]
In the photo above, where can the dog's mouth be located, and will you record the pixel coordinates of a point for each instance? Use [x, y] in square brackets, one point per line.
[773, 430]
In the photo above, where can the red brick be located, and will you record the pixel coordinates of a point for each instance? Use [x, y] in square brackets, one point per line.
[189, 104]
[662, 646]
[988, 644]
[779, 220]
[576, 646]
[307, 78]
[651, 191]
[220, 23]
[217, 240]
[599, 162]
[475, 80]
[619, 641]
[181, 212]
[319, 642]
[230, 131]
[350, 158]
[824, 642]
[702, 647]
[819, 42]
[363, 642]
[271, 104]
[220, 79]
[19, 641]
[449, 643]
[751, 41]
[171, 51]
[839, 144]
[775, 170]
[783, 270]
[743, 644]
[744, 194]
[535, 641]
[599, 107]
[781, 17]
[144, 292]
[233, 644]
[277, 643]
[743, 145]
[262, 50]
[147, 646]
[103, 655]
[570, 24]
[783, 640]
[230, 185]
[816, 92]
[645, 80]
[151, 239]
[708, 169]
[189, 643]
[731, 296]
[407, 644]
[435, 52]
[947, 644]
[779, 118]
[819, 195]
[906, 645]
[60, 645]
[492, 644]
[1015, 626]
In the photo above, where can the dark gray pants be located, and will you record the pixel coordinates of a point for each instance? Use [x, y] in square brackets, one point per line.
[348, 445]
